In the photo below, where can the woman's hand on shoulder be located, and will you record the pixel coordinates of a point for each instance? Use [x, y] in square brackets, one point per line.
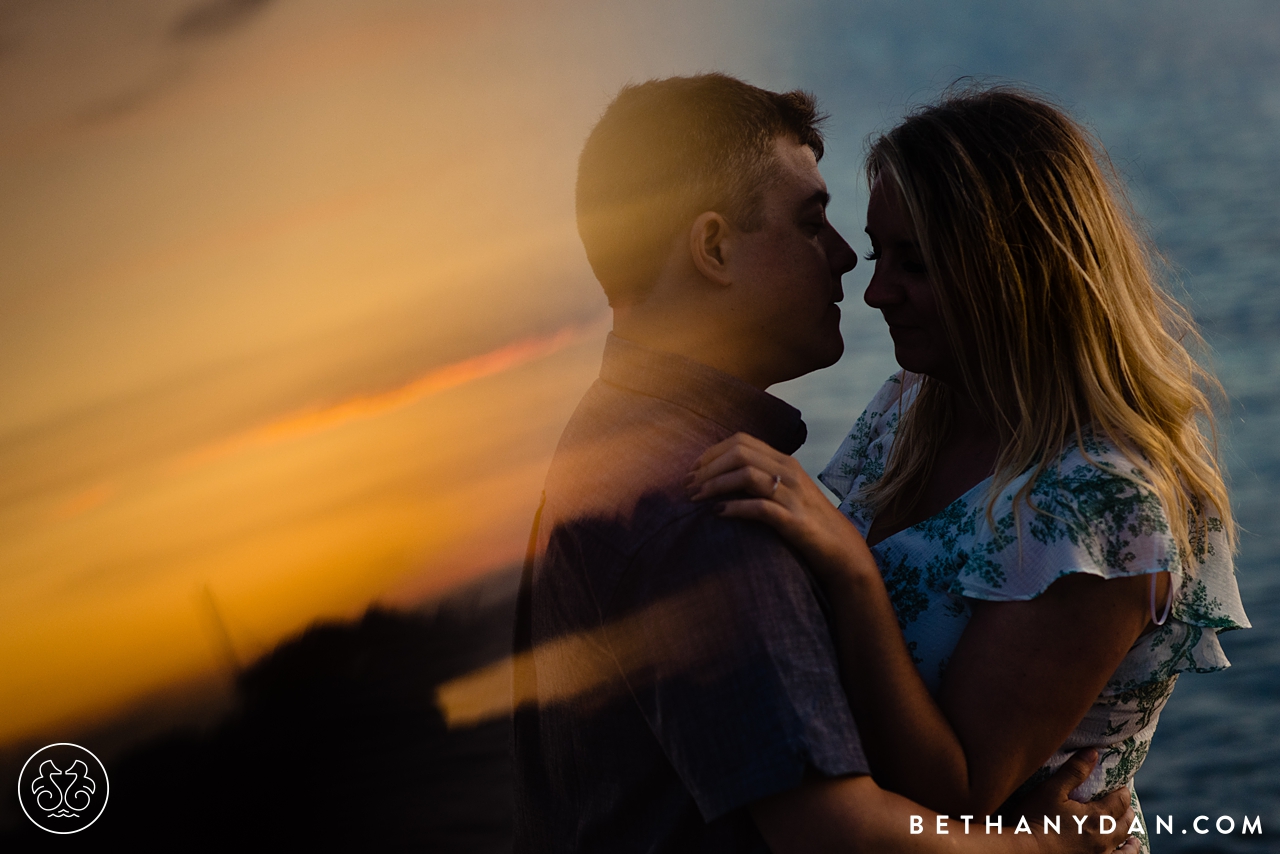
[754, 481]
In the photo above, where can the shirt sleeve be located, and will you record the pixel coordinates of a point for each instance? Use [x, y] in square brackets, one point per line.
[728, 655]
[1101, 519]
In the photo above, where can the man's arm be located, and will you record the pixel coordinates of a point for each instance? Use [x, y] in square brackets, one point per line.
[725, 651]
[853, 814]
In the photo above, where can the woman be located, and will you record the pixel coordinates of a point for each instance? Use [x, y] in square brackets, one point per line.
[1041, 538]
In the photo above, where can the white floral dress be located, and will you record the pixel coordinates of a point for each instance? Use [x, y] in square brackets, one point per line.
[1101, 523]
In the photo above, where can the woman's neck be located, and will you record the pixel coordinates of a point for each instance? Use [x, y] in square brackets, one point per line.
[966, 457]
[972, 425]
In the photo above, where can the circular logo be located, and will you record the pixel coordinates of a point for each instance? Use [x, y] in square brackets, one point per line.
[63, 788]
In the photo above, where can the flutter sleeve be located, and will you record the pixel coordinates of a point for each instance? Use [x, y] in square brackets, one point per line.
[861, 457]
[1098, 518]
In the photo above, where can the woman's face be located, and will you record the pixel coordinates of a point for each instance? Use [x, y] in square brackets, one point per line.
[904, 291]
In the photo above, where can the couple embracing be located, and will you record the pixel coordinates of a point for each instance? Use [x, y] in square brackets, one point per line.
[1033, 538]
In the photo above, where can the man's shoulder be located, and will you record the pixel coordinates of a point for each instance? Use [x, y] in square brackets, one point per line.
[616, 507]
[748, 562]
[624, 453]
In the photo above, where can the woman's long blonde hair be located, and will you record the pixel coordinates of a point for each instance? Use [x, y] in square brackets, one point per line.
[1033, 251]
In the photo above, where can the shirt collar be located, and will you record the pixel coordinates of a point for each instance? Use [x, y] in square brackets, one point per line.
[715, 395]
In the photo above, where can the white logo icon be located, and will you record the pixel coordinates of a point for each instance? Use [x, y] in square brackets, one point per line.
[63, 788]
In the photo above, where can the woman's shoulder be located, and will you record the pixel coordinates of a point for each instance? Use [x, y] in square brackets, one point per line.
[1086, 510]
[1094, 496]
[1091, 510]
[861, 457]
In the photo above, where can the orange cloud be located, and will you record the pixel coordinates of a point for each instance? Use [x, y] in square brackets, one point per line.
[308, 422]
[85, 501]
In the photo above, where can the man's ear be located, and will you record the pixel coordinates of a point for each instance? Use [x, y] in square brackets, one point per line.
[710, 240]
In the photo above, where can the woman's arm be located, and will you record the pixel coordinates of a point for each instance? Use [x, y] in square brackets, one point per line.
[1019, 681]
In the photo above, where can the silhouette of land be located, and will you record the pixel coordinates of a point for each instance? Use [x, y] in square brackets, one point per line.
[335, 743]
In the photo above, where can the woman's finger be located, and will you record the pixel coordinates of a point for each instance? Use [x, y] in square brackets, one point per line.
[763, 510]
[736, 440]
[733, 457]
[737, 448]
[742, 457]
[748, 479]
[737, 455]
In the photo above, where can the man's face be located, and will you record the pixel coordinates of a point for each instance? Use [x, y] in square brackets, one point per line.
[787, 273]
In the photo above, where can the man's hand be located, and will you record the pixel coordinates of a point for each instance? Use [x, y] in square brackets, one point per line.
[1052, 799]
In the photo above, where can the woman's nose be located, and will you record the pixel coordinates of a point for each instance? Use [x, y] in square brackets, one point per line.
[880, 291]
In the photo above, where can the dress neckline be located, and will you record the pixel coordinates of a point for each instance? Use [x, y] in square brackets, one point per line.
[962, 497]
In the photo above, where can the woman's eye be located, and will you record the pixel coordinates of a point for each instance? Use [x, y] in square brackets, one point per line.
[873, 255]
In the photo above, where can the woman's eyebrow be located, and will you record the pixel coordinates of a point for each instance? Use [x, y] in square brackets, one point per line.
[897, 244]
[819, 197]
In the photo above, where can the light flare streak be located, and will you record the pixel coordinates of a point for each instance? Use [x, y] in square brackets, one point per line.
[591, 667]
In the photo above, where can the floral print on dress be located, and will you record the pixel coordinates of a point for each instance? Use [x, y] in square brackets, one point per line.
[1094, 516]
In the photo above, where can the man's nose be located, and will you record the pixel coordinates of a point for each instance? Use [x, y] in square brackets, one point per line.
[841, 254]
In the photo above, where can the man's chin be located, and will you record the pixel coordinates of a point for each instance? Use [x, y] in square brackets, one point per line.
[800, 363]
[835, 357]
[829, 356]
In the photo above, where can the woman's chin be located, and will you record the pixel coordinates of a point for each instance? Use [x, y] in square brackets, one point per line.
[915, 363]
[909, 360]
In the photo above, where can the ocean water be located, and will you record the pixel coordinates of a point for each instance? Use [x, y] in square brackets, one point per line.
[1186, 98]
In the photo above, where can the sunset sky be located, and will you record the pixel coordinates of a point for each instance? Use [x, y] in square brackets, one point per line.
[293, 312]
[293, 309]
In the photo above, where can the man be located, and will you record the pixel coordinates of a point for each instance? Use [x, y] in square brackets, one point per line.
[676, 679]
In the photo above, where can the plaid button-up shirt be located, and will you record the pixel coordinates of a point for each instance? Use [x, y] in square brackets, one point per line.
[672, 666]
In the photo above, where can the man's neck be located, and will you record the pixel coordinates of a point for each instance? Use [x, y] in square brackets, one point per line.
[702, 346]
